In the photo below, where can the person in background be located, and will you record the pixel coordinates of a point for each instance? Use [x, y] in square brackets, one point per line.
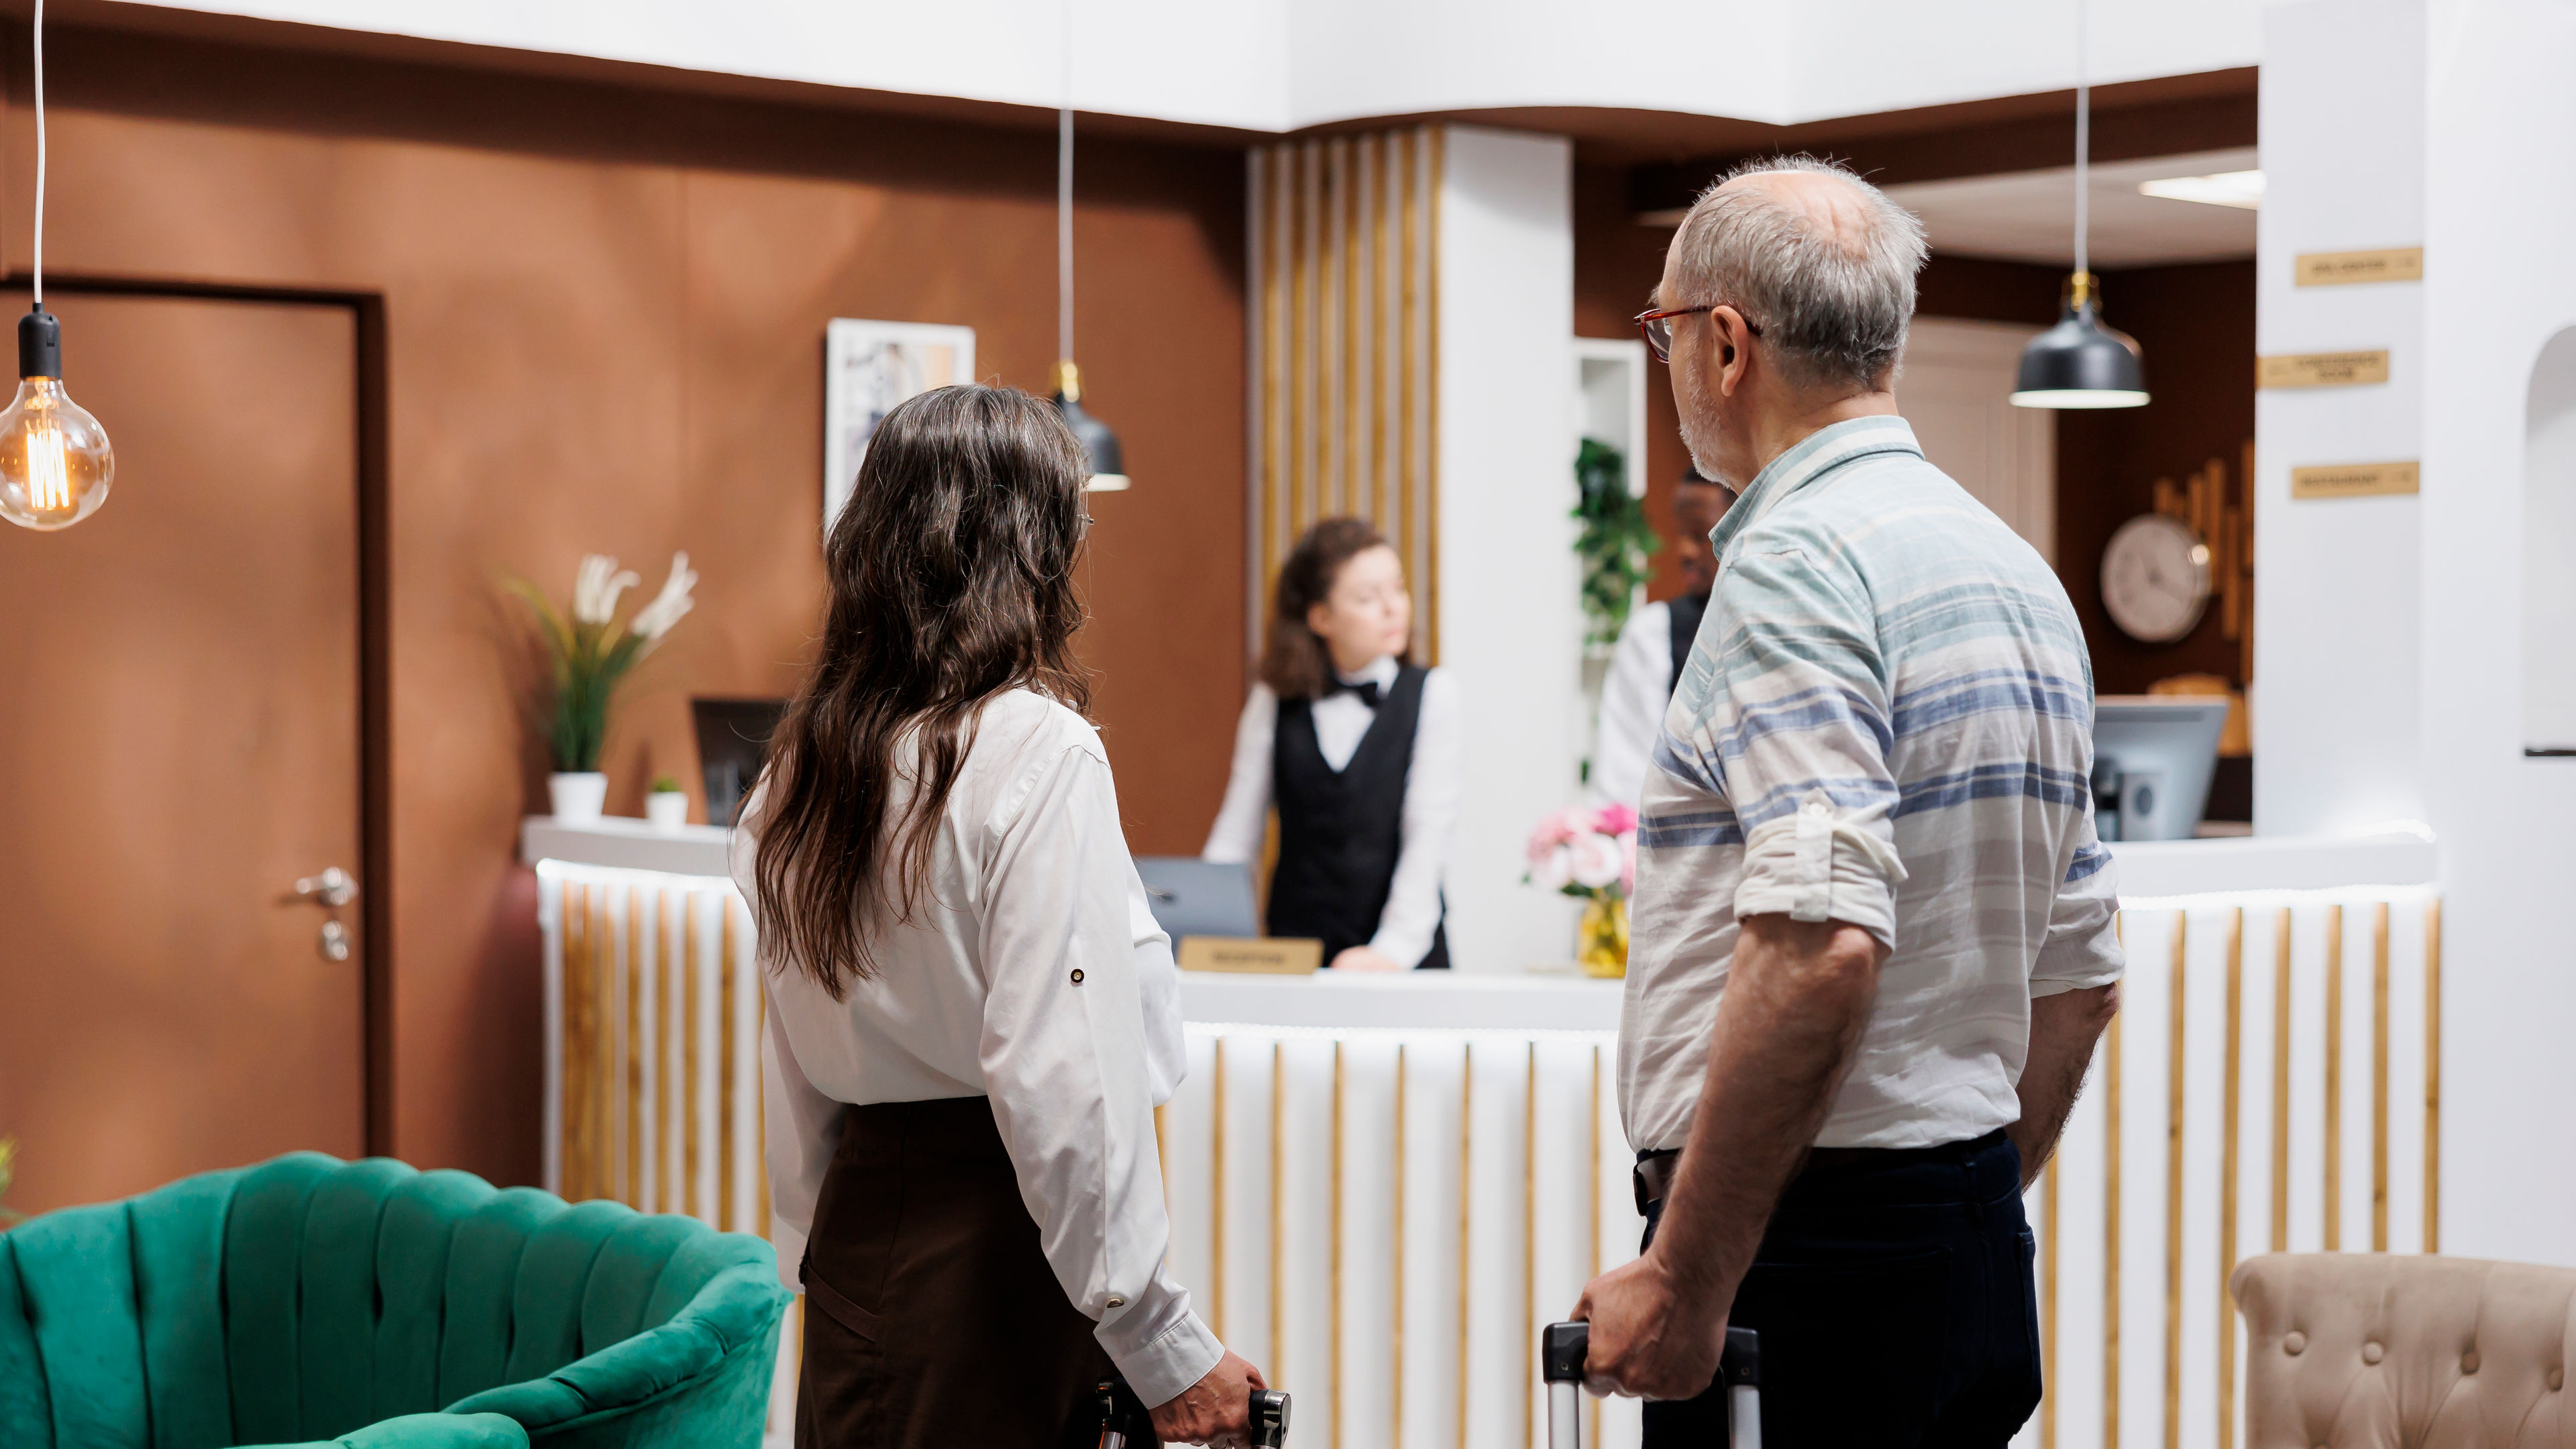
[971, 1013]
[1874, 937]
[1651, 648]
[1358, 747]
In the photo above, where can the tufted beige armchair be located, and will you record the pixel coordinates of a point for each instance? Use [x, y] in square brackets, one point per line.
[2346, 1350]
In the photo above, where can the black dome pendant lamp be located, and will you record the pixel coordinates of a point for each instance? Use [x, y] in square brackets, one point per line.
[2079, 363]
[1104, 459]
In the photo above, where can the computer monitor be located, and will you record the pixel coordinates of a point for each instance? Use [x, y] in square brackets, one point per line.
[1193, 897]
[2152, 759]
[733, 739]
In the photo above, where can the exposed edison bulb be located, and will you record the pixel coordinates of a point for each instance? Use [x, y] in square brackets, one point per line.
[55, 463]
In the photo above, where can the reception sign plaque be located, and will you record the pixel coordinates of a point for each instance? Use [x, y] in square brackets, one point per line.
[2335, 269]
[2322, 369]
[2354, 480]
[1267, 956]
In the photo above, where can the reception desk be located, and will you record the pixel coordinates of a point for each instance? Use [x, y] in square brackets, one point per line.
[1380, 1186]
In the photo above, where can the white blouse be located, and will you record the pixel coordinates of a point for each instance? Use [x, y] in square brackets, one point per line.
[1633, 696]
[1033, 975]
[1412, 911]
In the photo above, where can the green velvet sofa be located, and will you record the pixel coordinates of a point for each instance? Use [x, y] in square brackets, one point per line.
[369, 1304]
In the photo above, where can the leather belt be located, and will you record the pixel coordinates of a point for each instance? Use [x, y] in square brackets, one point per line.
[1655, 1171]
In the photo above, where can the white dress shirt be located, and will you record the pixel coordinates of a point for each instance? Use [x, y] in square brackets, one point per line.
[1633, 696]
[1033, 975]
[1412, 911]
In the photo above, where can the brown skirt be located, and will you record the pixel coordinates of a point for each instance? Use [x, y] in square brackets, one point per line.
[932, 1318]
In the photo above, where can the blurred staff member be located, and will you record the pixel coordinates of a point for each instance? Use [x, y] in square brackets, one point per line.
[1358, 747]
[971, 1013]
[1652, 646]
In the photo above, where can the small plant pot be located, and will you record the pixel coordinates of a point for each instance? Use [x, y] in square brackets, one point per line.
[579, 796]
[668, 810]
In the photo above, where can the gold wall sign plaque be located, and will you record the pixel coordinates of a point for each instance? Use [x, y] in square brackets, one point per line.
[2322, 369]
[2335, 269]
[2354, 480]
[1268, 956]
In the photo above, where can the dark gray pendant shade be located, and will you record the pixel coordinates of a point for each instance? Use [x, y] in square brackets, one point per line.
[1101, 455]
[2079, 363]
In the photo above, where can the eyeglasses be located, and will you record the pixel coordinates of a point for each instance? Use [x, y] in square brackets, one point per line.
[1657, 327]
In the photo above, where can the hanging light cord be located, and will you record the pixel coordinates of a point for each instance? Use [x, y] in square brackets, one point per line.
[2083, 154]
[1064, 199]
[40, 155]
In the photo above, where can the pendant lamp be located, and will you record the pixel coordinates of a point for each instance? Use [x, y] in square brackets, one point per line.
[55, 463]
[2079, 363]
[1101, 454]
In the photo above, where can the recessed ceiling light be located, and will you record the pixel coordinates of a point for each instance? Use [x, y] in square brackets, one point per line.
[2240, 189]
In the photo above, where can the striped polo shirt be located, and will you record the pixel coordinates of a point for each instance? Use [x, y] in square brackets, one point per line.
[1887, 720]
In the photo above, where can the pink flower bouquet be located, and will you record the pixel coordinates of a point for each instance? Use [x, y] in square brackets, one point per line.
[1586, 852]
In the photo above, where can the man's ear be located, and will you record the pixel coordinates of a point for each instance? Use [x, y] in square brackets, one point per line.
[1728, 331]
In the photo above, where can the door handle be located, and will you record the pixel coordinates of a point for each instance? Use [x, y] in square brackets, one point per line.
[333, 887]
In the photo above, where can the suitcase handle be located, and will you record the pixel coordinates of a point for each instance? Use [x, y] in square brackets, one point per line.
[1563, 1347]
[1125, 1423]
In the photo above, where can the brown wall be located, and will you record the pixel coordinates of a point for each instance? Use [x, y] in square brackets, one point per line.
[604, 320]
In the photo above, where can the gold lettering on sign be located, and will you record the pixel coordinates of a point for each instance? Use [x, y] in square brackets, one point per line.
[2354, 480]
[2322, 369]
[2335, 269]
[1282, 956]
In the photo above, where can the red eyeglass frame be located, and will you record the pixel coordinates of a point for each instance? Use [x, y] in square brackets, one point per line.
[1662, 347]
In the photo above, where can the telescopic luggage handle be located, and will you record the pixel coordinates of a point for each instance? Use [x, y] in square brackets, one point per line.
[1564, 1346]
[1126, 1424]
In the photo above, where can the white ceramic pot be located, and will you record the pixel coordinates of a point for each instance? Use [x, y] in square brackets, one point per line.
[579, 795]
[668, 810]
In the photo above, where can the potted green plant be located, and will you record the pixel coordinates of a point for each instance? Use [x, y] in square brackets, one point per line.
[667, 805]
[588, 655]
[1615, 540]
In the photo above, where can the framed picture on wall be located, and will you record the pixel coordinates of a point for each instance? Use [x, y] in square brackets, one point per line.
[868, 367]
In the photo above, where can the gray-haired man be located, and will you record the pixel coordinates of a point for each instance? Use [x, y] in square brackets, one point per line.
[1873, 944]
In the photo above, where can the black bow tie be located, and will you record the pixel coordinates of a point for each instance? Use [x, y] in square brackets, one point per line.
[1366, 689]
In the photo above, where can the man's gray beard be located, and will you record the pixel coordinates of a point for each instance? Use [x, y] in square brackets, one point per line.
[1697, 405]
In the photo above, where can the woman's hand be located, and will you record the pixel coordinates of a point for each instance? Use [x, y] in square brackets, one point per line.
[1215, 1410]
[1365, 958]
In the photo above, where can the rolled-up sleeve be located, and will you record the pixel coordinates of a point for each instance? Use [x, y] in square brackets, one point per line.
[1068, 1060]
[2082, 948]
[1803, 739]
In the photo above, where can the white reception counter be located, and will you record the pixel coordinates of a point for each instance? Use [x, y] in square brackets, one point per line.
[1380, 1186]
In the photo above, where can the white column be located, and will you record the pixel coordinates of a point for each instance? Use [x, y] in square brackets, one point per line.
[1510, 622]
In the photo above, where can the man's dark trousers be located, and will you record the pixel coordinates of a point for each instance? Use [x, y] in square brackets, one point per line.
[1894, 1295]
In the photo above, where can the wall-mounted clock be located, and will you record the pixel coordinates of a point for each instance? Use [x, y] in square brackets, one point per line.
[2155, 578]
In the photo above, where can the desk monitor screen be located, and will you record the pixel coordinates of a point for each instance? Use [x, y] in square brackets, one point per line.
[2152, 759]
[1193, 897]
[733, 738]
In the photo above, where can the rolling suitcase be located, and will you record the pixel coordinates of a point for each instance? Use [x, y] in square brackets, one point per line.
[1562, 1347]
[1125, 1424]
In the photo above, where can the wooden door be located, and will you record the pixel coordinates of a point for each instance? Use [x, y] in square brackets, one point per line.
[179, 744]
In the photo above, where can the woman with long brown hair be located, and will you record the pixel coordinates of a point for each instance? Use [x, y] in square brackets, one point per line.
[971, 1013]
[1357, 747]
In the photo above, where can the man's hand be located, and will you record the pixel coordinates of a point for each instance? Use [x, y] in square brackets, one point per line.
[1647, 1340]
[2063, 1029]
[1215, 1410]
[1365, 958]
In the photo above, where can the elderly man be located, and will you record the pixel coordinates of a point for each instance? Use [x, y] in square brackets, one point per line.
[1874, 941]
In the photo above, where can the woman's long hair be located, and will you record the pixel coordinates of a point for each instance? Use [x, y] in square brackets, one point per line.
[952, 581]
[1295, 662]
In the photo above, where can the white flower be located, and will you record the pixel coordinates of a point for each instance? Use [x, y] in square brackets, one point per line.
[1552, 870]
[596, 587]
[656, 618]
[1597, 860]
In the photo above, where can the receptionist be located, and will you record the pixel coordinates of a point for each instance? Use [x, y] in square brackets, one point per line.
[1358, 748]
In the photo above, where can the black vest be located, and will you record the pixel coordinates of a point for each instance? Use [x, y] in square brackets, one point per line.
[1687, 612]
[1340, 831]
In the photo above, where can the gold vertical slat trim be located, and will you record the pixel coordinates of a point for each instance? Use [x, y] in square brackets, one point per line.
[1216, 1197]
[1409, 349]
[2334, 1080]
[1278, 1211]
[1597, 1186]
[1466, 1201]
[728, 1132]
[1529, 1252]
[1428, 585]
[1310, 469]
[692, 1127]
[2379, 1078]
[2111, 1231]
[665, 1064]
[1380, 315]
[2232, 1095]
[2433, 1075]
[760, 1220]
[1395, 1339]
[2047, 1306]
[2281, 1084]
[603, 1098]
[2173, 1183]
[1354, 468]
[1332, 293]
[578, 1030]
[1333, 1284]
[634, 1053]
[1283, 434]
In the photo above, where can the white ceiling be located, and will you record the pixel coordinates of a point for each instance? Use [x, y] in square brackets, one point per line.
[2029, 216]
